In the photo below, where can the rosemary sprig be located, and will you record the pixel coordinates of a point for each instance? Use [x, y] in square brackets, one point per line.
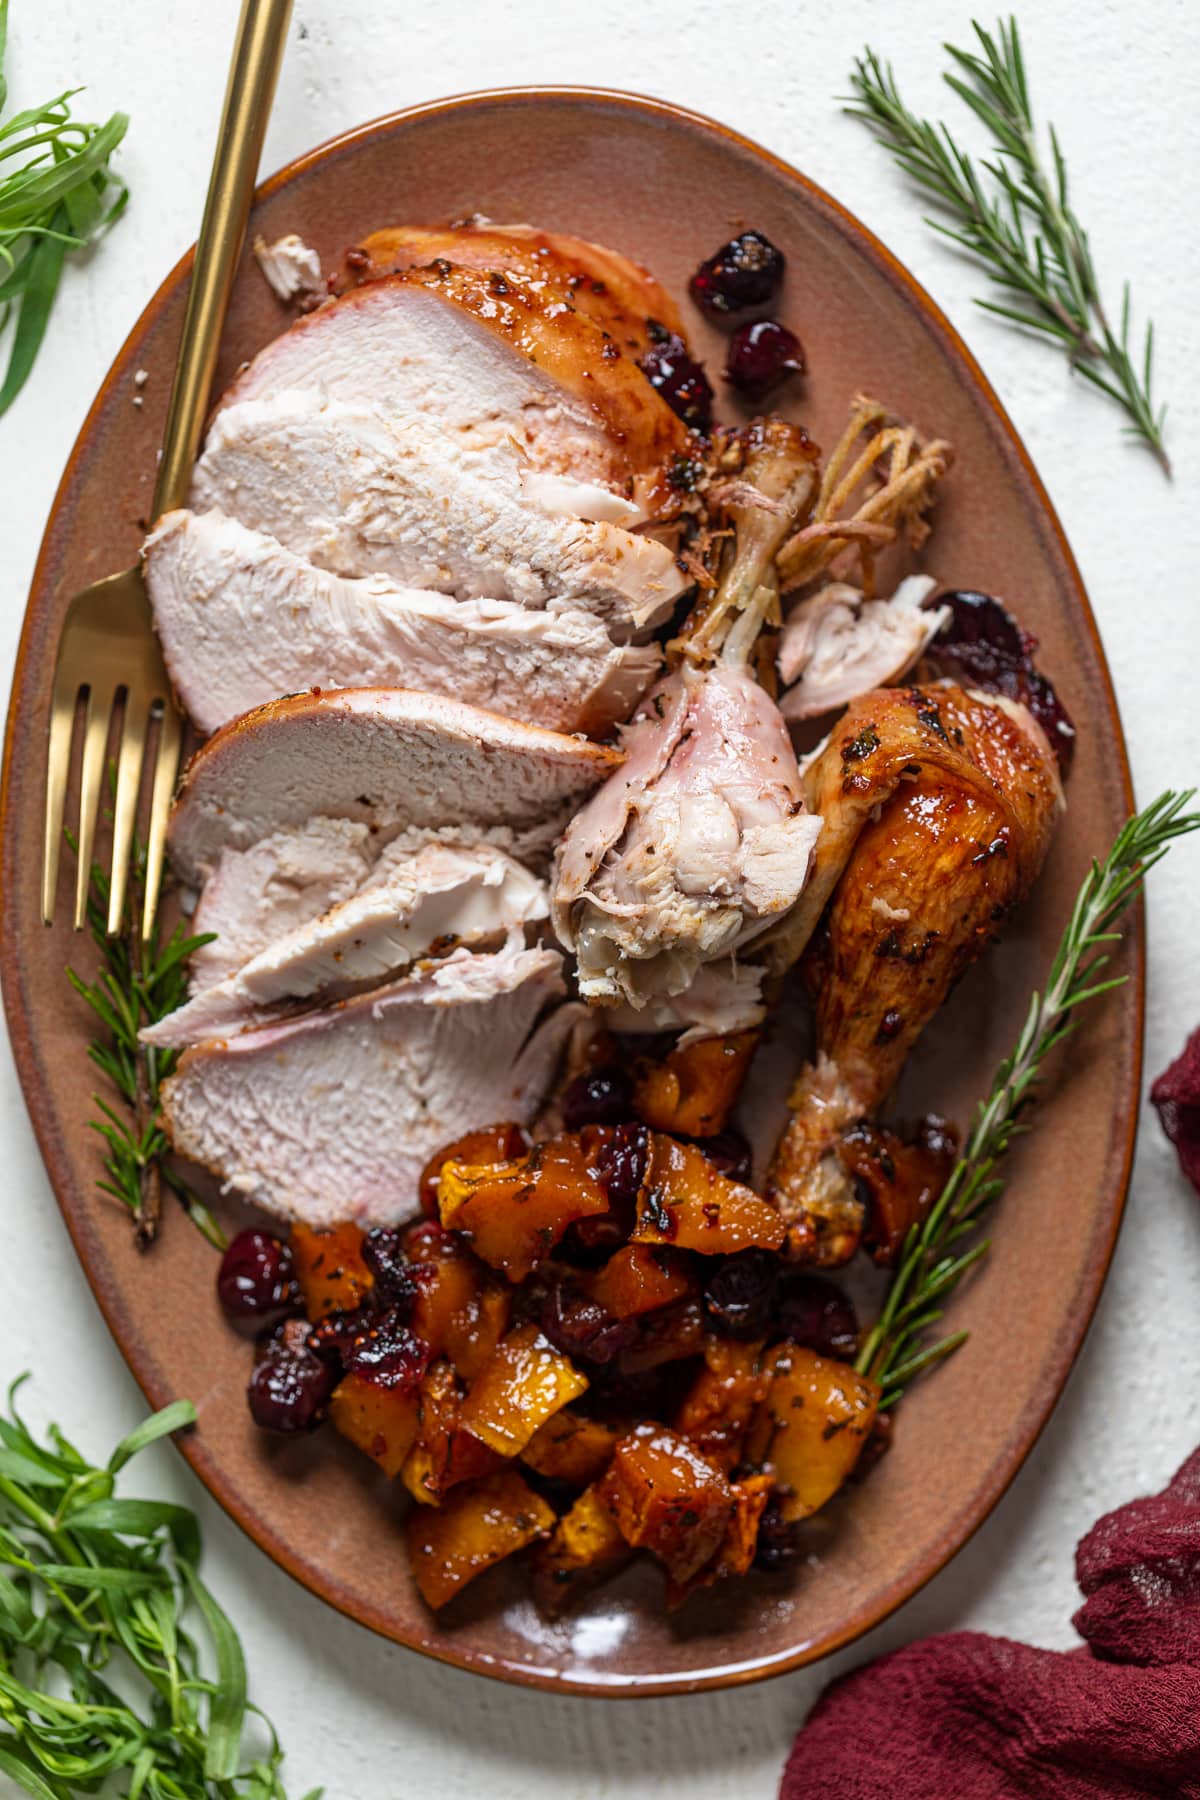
[100, 1675]
[137, 984]
[1020, 227]
[939, 1253]
[58, 192]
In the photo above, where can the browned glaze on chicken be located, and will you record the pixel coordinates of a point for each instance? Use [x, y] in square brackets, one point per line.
[615, 292]
[938, 808]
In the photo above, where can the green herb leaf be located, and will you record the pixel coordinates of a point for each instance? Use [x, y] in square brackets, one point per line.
[57, 192]
[1022, 232]
[893, 1351]
[100, 1674]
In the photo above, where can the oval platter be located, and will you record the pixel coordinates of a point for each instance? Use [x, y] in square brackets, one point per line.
[665, 186]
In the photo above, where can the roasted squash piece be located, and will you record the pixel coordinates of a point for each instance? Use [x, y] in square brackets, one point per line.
[330, 1269]
[444, 1453]
[457, 1309]
[720, 1403]
[819, 1413]
[667, 1498]
[671, 1335]
[686, 1201]
[517, 1390]
[639, 1278]
[739, 1543]
[514, 1213]
[693, 1090]
[571, 1448]
[380, 1420]
[585, 1547]
[492, 1144]
[479, 1526]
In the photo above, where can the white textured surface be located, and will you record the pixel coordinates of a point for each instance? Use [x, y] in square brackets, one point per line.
[1123, 85]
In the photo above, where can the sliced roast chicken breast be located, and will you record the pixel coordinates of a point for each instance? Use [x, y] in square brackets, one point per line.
[460, 432]
[242, 619]
[389, 759]
[421, 904]
[486, 358]
[333, 1115]
[359, 492]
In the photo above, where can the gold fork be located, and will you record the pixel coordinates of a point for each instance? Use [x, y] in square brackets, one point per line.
[108, 647]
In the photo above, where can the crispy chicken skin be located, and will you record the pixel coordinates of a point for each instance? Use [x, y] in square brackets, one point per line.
[617, 293]
[939, 806]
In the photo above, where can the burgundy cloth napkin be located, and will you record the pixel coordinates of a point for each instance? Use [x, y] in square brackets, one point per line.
[970, 1717]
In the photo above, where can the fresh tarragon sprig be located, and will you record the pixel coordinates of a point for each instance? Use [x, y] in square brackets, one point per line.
[938, 1253]
[103, 1685]
[58, 190]
[1018, 223]
[137, 984]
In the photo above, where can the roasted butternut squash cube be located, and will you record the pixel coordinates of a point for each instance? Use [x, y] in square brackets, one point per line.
[330, 1269]
[820, 1413]
[585, 1547]
[687, 1202]
[519, 1387]
[739, 1543]
[479, 1526]
[571, 1448]
[720, 1403]
[514, 1213]
[458, 1310]
[640, 1278]
[693, 1090]
[443, 1453]
[492, 1144]
[668, 1499]
[380, 1420]
[671, 1335]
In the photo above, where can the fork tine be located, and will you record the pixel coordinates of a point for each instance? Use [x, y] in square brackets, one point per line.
[91, 779]
[58, 767]
[170, 740]
[129, 782]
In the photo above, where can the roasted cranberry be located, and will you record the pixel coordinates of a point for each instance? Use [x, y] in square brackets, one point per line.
[778, 1542]
[333, 1336]
[762, 355]
[620, 1165]
[291, 1384]
[812, 1312]
[580, 1328]
[740, 1295]
[730, 1152]
[605, 1097]
[747, 271]
[670, 368]
[387, 1352]
[383, 1253]
[256, 1283]
[982, 643]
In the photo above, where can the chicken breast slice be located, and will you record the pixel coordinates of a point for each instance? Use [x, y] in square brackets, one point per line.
[387, 758]
[424, 904]
[241, 619]
[483, 356]
[361, 492]
[333, 1115]
[837, 645]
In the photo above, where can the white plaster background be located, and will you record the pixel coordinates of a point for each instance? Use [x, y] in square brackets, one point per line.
[1123, 85]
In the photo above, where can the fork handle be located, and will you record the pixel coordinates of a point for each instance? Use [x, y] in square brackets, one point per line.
[257, 54]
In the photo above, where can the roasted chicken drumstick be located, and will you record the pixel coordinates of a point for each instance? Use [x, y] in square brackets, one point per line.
[938, 807]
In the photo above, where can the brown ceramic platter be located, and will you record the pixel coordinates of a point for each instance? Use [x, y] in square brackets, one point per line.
[666, 187]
